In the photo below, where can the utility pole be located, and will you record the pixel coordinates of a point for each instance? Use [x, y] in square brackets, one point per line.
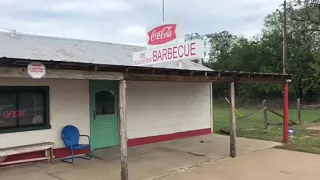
[285, 43]
[163, 11]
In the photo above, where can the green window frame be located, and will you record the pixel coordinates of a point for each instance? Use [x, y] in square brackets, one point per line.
[24, 108]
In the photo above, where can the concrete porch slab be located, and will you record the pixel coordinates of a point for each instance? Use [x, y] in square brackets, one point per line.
[271, 164]
[113, 153]
[145, 162]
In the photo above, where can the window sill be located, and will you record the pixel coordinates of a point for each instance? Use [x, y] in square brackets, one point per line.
[23, 129]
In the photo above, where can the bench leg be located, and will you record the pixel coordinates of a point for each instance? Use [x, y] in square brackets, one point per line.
[2, 158]
[51, 155]
[46, 154]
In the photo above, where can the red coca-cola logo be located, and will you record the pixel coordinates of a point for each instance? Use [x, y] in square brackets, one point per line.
[162, 34]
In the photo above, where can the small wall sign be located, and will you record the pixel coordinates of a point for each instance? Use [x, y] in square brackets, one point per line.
[36, 70]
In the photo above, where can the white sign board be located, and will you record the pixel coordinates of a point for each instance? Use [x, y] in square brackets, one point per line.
[36, 70]
[189, 50]
[165, 34]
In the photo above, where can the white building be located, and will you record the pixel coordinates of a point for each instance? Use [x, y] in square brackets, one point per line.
[156, 111]
[80, 88]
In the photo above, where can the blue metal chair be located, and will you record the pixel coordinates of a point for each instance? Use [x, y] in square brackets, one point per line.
[71, 136]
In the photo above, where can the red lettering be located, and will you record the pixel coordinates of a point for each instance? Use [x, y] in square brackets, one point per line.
[169, 53]
[180, 50]
[5, 114]
[142, 55]
[154, 56]
[12, 113]
[175, 52]
[164, 54]
[192, 49]
[186, 50]
[159, 55]
[21, 113]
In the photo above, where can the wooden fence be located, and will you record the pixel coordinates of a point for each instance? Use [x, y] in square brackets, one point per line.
[265, 111]
[301, 107]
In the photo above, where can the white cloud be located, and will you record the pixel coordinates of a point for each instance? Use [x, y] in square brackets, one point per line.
[92, 6]
[124, 21]
[135, 31]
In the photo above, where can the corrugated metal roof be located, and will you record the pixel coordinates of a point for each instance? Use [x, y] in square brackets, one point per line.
[23, 46]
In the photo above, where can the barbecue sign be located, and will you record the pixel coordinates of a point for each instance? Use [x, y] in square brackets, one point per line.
[165, 43]
[175, 52]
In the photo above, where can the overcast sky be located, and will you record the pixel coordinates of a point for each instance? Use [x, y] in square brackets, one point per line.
[124, 21]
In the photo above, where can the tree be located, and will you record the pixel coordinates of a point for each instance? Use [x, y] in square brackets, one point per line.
[263, 53]
[220, 49]
[307, 11]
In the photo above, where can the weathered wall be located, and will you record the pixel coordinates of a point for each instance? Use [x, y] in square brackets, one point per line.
[156, 108]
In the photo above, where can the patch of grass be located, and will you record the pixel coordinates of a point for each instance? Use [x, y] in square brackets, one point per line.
[304, 140]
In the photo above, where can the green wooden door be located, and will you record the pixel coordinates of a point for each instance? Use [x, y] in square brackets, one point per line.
[104, 114]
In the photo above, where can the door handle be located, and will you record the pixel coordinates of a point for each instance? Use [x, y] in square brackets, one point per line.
[94, 115]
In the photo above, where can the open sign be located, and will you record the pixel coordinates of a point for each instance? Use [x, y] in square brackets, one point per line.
[13, 113]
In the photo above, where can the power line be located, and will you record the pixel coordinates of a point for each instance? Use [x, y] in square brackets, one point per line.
[5, 28]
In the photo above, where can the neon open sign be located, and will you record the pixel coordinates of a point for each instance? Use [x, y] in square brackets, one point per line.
[9, 114]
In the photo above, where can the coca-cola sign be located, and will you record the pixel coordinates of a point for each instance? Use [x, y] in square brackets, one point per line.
[162, 34]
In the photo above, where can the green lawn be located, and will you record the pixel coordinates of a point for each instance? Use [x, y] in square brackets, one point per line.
[304, 140]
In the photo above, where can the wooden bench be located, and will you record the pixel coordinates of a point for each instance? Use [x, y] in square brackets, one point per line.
[47, 147]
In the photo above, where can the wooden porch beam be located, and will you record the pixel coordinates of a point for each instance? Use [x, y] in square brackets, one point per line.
[123, 130]
[179, 78]
[173, 78]
[233, 151]
[6, 72]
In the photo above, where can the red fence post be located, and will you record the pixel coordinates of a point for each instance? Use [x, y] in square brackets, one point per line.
[285, 112]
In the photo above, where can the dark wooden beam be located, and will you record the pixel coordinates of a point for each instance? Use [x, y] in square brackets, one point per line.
[61, 74]
[191, 78]
[174, 78]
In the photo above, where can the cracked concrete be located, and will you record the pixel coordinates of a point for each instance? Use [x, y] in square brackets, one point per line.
[267, 164]
[155, 161]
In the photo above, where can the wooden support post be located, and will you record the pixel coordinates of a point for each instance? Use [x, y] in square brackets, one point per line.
[265, 114]
[233, 152]
[285, 113]
[123, 130]
[211, 109]
[299, 110]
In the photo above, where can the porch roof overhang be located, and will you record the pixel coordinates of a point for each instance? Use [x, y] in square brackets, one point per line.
[139, 73]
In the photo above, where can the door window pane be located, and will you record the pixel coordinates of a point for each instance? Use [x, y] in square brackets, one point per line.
[104, 102]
